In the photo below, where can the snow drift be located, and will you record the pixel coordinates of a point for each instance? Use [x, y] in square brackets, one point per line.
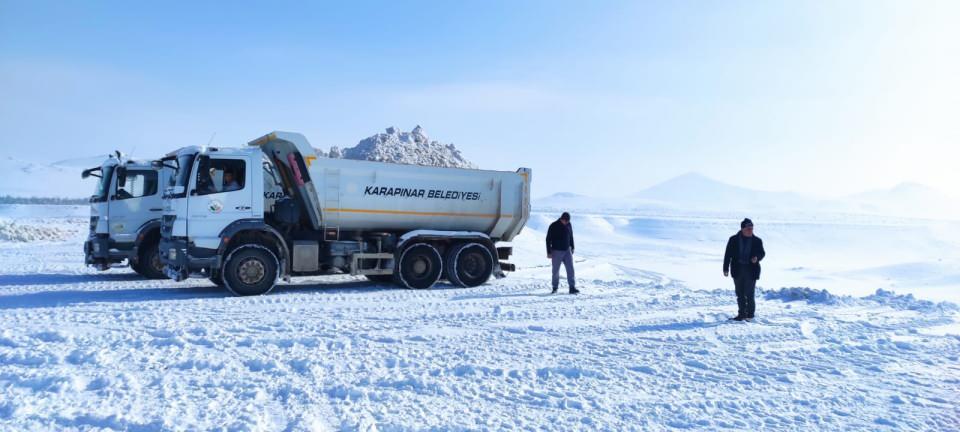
[19, 232]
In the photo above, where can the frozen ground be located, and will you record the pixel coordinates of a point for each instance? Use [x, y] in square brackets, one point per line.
[644, 348]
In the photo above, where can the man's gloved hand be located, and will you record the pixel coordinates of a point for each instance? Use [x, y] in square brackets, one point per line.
[725, 274]
[753, 260]
[549, 256]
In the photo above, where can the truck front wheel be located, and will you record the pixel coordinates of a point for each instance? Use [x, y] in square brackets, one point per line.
[469, 264]
[420, 266]
[250, 270]
[148, 262]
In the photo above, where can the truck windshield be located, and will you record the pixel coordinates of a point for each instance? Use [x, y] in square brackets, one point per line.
[182, 176]
[103, 184]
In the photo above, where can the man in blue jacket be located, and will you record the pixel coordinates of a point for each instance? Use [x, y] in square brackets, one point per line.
[560, 250]
[742, 259]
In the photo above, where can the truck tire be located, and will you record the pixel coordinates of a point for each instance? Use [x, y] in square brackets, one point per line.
[469, 265]
[148, 262]
[380, 279]
[250, 270]
[420, 266]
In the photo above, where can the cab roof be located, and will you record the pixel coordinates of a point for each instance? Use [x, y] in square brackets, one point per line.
[225, 151]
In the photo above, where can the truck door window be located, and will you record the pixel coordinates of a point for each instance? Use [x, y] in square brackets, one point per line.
[220, 175]
[137, 184]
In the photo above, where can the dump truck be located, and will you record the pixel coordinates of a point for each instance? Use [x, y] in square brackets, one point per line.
[248, 217]
[125, 212]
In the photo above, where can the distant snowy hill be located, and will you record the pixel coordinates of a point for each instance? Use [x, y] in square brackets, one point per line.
[696, 191]
[689, 194]
[694, 194]
[906, 199]
[38, 179]
[411, 148]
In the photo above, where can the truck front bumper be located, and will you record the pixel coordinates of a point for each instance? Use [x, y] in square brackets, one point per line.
[181, 260]
[99, 252]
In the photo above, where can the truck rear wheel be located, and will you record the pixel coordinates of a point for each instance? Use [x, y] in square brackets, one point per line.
[469, 264]
[148, 262]
[420, 266]
[250, 270]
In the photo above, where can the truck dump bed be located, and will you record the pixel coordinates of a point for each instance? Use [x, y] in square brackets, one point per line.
[366, 195]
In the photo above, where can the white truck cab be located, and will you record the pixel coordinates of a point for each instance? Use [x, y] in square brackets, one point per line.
[125, 211]
[246, 217]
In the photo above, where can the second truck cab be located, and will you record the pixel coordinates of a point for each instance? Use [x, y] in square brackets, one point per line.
[125, 211]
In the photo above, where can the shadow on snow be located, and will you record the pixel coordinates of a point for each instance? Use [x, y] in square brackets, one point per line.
[64, 278]
[72, 297]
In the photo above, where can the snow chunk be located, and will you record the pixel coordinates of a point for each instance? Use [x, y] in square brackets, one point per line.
[908, 301]
[811, 295]
[410, 148]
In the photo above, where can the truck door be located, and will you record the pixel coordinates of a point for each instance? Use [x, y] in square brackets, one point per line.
[221, 195]
[135, 201]
[100, 201]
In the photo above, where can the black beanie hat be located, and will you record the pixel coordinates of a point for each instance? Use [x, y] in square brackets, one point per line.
[565, 216]
[746, 221]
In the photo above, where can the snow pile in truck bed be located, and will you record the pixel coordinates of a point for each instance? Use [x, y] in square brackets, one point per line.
[410, 148]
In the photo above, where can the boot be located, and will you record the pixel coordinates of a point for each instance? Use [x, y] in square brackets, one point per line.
[574, 291]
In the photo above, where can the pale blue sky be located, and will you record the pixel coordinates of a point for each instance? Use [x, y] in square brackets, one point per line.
[601, 98]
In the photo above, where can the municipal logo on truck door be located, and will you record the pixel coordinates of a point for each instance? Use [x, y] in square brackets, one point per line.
[215, 206]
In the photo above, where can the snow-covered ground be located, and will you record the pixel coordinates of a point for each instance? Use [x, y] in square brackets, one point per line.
[852, 255]
[646, 347]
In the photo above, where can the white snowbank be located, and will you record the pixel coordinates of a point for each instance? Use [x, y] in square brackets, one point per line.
[810, 295]
[18, 231]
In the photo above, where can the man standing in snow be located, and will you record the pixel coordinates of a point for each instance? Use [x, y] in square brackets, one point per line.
[560, 250]
[742, 258]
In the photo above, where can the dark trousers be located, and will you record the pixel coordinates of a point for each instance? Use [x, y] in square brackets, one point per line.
[745, 285]
[566, 258]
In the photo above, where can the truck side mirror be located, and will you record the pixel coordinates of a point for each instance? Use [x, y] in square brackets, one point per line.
[89, 172]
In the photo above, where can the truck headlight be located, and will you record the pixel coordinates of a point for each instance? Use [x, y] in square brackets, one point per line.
[96, 247]
[172, 254]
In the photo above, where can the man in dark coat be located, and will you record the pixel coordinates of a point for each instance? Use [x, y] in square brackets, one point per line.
[560, 250]
[742, 259]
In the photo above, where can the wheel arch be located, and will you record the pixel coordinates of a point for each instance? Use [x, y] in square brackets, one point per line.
[147, 232]
[255, 231]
